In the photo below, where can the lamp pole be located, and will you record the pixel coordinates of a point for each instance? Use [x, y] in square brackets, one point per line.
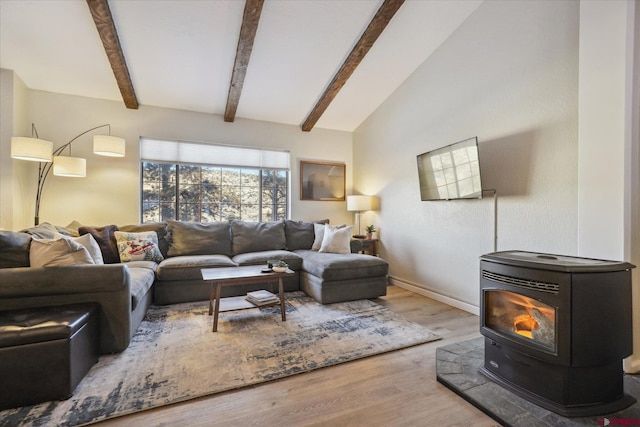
[45, 168]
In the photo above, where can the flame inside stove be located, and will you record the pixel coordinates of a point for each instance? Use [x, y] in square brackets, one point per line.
[524, 325]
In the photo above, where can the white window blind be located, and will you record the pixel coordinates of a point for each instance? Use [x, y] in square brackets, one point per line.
[220, 155]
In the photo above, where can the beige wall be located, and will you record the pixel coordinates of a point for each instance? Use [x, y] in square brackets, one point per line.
[110, 193]
[14, 178]
[509, 76]
[6, 166]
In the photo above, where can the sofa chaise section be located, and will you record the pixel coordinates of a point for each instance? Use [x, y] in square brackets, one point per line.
[108, 285]
[330, 278]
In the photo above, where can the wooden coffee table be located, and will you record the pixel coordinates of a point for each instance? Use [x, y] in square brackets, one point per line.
[234, 276]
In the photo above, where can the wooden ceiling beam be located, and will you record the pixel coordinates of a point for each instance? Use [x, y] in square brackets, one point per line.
[250, 20]
[379, 22]
[107, 30]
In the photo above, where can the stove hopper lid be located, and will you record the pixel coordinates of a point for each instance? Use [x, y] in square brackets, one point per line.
[556, 262]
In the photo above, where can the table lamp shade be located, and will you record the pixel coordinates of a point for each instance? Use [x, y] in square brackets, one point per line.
[107, 145]
[32, 149]
[361, 203]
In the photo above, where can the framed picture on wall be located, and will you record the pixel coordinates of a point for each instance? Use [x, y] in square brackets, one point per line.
[322, 181]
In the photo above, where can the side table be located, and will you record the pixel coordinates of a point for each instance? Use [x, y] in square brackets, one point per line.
[369, 246]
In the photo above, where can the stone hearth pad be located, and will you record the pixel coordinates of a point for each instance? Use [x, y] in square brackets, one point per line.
[457, 368]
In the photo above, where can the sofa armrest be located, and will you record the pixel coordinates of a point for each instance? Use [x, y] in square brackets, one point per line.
[108, 285]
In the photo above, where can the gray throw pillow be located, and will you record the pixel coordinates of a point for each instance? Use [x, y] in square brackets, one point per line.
[194, 238]
[257, 236]
[106, 240]
[299, 234]
[42, 231]
[14, 249]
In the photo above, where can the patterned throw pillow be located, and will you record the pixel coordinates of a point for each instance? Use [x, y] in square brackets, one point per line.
[138, 246]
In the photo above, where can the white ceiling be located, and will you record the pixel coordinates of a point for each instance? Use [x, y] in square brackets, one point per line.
[180, 53]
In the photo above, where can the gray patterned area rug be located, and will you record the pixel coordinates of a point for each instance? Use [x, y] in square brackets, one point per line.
[174, 356]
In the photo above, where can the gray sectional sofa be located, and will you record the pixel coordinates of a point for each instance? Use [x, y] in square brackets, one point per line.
[124, 291]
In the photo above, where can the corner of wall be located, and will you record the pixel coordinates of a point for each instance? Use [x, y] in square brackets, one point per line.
[15, 176]
[6, 166]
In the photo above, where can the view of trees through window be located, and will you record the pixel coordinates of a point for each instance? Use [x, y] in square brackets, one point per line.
[212, 193]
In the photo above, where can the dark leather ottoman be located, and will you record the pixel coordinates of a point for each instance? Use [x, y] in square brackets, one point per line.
[45, 352]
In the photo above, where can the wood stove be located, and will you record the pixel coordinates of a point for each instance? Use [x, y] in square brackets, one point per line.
[556, 329]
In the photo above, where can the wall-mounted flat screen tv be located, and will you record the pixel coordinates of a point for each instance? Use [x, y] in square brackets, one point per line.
[451, 172]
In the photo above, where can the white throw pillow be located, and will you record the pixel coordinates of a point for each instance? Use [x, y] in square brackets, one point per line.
[57, 252]
[337, 240]
[88, 241]
[318, 229]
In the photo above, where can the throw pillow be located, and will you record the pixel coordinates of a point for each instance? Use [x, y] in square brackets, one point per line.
[336, 240]
[67, 231]
[318, 229]
[138, 246]
[14, 249]
[106, 240]
[74, 226]
[257, 236]
[42, 231]
[161, 231]
[194, 238]
[57, 252]
[89, 243]
[299, 234]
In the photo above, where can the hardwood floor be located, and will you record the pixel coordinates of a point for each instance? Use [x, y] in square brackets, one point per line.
[393, 389]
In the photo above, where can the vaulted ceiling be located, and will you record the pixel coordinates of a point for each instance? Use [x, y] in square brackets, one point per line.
[291, 55]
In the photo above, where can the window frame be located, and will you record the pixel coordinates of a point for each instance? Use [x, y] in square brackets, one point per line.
[169, 152]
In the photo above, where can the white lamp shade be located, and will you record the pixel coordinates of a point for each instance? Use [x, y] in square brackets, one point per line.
[32, 149]
[107, 145]
[69, 166]
[361, 203]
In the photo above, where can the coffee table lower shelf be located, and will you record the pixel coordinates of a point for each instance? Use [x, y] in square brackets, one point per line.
[233, 276]
[240, 303]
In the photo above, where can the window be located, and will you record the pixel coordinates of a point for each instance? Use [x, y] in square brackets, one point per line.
[212, 192]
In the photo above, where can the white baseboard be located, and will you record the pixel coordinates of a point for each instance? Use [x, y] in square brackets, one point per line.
[414, 287]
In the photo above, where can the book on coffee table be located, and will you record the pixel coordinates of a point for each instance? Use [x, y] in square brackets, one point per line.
[262, 297]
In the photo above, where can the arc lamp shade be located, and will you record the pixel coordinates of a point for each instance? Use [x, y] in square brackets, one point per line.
[75, 167]
[107, 145]
[32, 149]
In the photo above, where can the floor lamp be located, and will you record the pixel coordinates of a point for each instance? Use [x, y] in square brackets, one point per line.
[360, 204]
[40, 150]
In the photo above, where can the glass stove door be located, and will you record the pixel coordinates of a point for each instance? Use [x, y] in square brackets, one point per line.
[516, 315]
